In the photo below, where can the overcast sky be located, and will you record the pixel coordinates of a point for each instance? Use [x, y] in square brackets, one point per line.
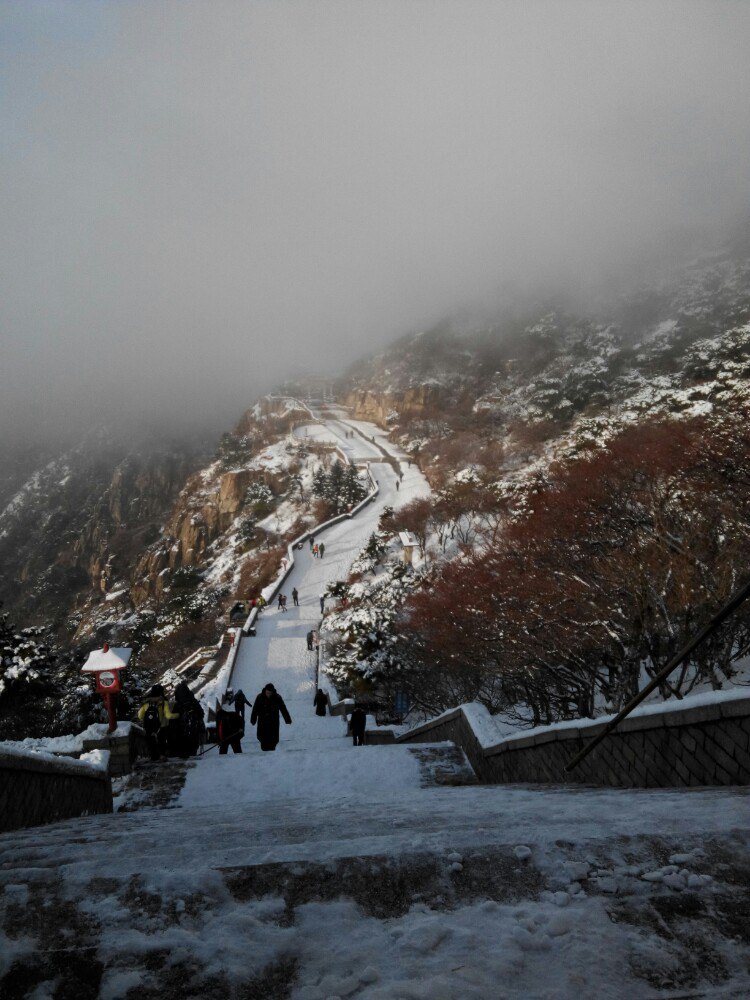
[199, 199]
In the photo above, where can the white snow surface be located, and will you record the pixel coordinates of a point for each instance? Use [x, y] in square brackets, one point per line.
[94, 760]
[50, 745]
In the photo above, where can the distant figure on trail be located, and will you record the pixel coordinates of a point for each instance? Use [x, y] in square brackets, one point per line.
[357, 725]
[322, 603]
[321, 549]
[155, 714]
[321, 702]
[191, 727]
[397, 485]
[282, 602]
[315, 551]
[295, 597]
[268, 706]
[229, 731]
[310, 637]
[261, 602]
[240, 701]
[312, 542]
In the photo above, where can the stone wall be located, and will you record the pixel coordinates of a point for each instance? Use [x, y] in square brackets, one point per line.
[702, 745]
[123, 750]
[36, 789]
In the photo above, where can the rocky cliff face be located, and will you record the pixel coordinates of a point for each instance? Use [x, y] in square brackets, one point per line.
[380, 405]
[80, 522]
[204, 509]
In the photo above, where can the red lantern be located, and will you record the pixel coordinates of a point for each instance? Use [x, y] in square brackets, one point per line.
[106, 664]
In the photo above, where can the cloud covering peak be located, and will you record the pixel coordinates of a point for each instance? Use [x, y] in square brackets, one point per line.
[203, 198]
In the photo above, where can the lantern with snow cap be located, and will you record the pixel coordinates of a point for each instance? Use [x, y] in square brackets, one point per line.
[106, 664]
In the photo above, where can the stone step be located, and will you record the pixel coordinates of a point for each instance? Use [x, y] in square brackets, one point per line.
[443, 764]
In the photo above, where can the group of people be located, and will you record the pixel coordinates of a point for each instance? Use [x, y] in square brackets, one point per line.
[357, 720]
[318, 549]
[268, 709]
[176, 730]
[179, 729]
[282, 600]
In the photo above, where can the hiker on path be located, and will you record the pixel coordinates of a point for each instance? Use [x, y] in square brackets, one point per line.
[282, 602]
[322, 603]
[261, 603]
[312, 542]
[190, 723]
[321, 702]
[295, 597]
[240, 701]
[229, 731]
[397, 485]
[310, 637]
[155, 714]
[315, 551]
[321, 549]
[357, 725]
[268, 706]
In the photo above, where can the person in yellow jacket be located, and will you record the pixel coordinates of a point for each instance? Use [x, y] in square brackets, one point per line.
[155, 714]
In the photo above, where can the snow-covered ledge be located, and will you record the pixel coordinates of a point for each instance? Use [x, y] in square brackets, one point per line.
[38, 787]
[702, 740]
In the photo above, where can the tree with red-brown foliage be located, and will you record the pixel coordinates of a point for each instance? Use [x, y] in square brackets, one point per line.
[623, 554]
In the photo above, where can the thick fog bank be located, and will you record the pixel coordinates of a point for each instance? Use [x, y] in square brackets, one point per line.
[203, 199]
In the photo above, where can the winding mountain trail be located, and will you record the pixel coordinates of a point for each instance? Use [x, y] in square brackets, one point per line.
[278, 653]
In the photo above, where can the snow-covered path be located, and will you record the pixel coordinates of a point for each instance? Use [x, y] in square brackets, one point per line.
[278, 653]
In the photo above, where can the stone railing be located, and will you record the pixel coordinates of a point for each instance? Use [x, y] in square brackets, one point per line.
[37, 789]
[662, 746]
[124, 748]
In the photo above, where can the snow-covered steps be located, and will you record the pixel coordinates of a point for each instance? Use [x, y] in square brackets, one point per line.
[329, 770]
[443, 764]
[151, 785]
[423, 897]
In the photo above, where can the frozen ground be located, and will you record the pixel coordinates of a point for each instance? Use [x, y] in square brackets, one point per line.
[325, 871]
[318, 890]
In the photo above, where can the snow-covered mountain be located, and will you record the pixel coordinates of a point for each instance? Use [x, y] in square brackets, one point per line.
[149, 546]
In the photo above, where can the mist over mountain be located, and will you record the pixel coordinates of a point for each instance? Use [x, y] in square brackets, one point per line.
[198, 206]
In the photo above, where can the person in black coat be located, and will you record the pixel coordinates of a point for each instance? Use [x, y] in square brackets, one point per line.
[229, 731]
[357, 725]
[268, 706]
[239, 704]
[321, 702]
[190, 724]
